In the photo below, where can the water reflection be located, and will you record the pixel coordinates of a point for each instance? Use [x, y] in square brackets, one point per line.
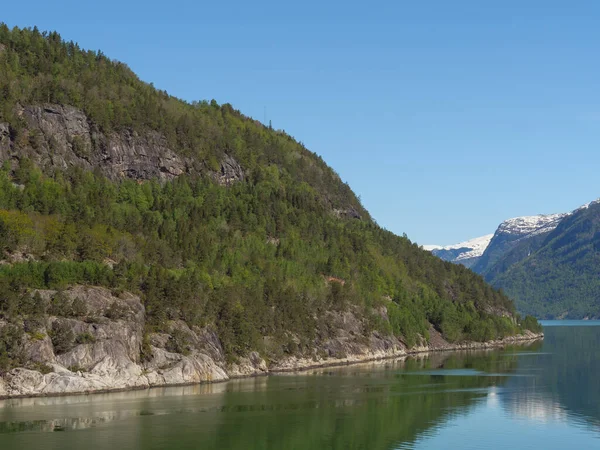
[565, 386]
[463, 398]
[536, 407]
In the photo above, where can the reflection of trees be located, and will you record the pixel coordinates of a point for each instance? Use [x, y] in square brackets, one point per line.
[376, 406]
[377, 410]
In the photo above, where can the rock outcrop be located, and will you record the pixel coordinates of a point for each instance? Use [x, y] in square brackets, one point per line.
[59, 137]
[102, 350]
[104, 346]
[230, 172]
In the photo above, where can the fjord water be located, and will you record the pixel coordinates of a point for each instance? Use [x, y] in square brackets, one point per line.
[541, 395]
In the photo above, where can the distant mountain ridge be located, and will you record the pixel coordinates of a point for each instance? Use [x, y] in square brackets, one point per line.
[512, 231]
[466, 253]
[536, 260]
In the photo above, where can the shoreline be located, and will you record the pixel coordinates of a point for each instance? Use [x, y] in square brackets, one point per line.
[464, 346]
[300, 367]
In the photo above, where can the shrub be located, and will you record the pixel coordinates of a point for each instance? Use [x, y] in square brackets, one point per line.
[60, 305]
[179, 342]
[85, 338]
[10, 343]
[62, 337]
[78, 308]
[116, 311]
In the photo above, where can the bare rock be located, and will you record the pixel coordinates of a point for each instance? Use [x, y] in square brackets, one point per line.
[104, 347]
[253, 364]
[63, 136]
[230, 172]
[39, 351]
[3, 391]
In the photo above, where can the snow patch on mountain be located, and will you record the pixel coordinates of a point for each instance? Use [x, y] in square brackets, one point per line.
[531, 225]
[512, 230]
[473, 247]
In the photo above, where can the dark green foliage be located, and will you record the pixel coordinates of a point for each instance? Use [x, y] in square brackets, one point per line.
[38, 68]
[62, 337]
[78, 308]
[60, 305]
[10, 342]
[146, 349]
[85, 338]
[116, 312]
[530, 323]
[178, 342]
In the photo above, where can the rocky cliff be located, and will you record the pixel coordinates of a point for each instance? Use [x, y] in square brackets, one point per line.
[102, 343]
[63, 136]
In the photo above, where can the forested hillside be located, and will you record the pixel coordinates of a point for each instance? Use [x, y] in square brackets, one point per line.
[211, 217]
[559, 278]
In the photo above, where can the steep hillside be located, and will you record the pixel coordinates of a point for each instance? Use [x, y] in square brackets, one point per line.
[241, 246]
[519, 232]
[561, 278]
[546, 263]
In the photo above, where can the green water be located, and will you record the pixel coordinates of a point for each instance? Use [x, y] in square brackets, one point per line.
[545, 395]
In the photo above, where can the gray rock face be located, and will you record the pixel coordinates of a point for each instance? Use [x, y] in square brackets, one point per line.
[105, 352]
[66, 138]
[62, 136]
[102, 350]
[231, 172]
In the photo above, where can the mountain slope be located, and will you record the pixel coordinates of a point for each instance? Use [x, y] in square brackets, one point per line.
[561, 278]
[512, 233]
[546, 263]
[243, 247]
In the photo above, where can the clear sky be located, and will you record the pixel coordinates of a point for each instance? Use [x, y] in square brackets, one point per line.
[446, 117]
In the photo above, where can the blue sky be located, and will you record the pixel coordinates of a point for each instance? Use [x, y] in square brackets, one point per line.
[445, 117]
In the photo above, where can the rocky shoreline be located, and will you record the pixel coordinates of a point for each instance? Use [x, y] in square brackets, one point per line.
[304, 364]
[108, 349]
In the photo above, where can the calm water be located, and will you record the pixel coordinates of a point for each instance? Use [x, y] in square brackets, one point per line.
[546, 395]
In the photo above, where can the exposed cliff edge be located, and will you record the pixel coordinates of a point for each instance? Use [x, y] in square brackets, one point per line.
[103, 346]
[63, 136]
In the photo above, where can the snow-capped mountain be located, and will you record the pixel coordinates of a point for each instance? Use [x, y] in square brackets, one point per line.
[482, 252]
[547, 263]
[465, 253]
[530, 225]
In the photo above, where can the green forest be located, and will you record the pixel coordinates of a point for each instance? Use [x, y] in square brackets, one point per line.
[262, 257]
